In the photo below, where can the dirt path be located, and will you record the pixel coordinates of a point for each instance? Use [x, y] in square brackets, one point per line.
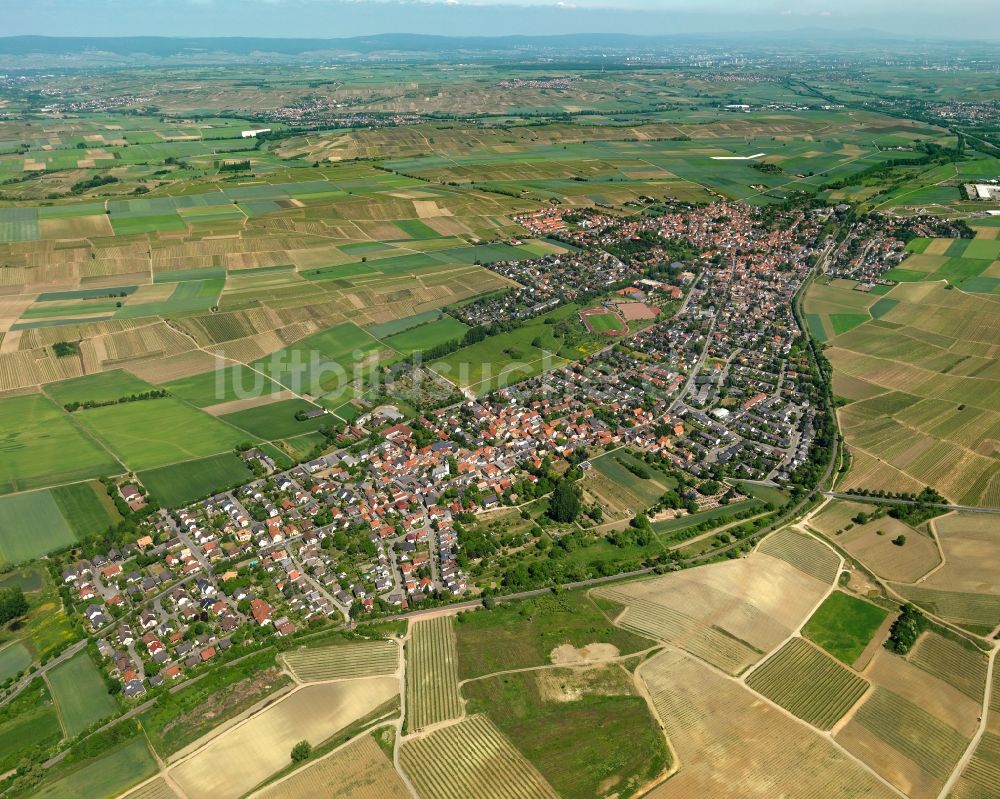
[970, 750]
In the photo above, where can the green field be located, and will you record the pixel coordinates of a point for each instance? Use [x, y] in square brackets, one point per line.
[40, 445]
[179, 484]
[152, 433]
[86, 507]
[99, 387]
[31, 525]
[80, 693]
[321, 362]
[276, 420]
[521, 634]
[14, 658]
[104, 777]
[221, 385]
[580, 728]
[843, 625]
[27, 722]
[606, 323]
[427, 335]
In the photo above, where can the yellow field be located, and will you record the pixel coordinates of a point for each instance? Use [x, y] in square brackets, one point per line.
[358, 771]
[243, 756]
[732, 745]
[730, 614]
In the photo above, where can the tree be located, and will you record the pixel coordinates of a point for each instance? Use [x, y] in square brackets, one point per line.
[565, 503]
[301, 751]
[899, 540]
[905, 629]
[12, 604]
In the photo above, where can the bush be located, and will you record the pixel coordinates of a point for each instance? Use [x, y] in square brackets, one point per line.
[301, 751]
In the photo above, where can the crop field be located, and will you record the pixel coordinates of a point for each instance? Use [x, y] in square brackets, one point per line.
[960, 666]
[971, 546]
[808, 683]
[804, 552]
[843, 625]
[872, 544]
[542, 712]
[757, 750]
[31, 525]
[80, 693]
[727, 613]
[26, 722]
[104, 777]
[225, 384]
[159, 432]
[154, 789]
[343, 661]
[979, 613]
[517, 635]
[888, 721]
[275, 420]
[178, 484]
[243, 756]
[358, 771]
[471, 758]
[432, 673]
[14, 658]
[982, 775]
[40, 445]
[621, 487]
[427, 335]
[928, 355]
[86, 507]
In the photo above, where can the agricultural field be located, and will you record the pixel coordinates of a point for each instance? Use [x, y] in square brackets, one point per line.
[620, 490]
[471, 758]
[843, 625]
[28, 721]
[542, 713]
[41, 446]
[180, 483]
[922, 391]
[754, 746]
[14, 658]
[961, 666]
[80, 694]
[872, 543]
[343, 661]
[728, 613]
[31, 525]
[104, 777]
[980, 777]
[431, 673]
[159, 432]
[275, 420]
[536, 632]
[808, 683]
[804, 552]
[240, 758]
[909, 746]
[157, 788]
[359, 770]
[970, 547]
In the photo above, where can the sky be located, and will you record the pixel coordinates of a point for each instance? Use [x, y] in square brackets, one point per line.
[332, 18]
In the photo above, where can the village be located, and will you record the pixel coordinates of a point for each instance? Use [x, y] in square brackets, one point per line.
[718, 388]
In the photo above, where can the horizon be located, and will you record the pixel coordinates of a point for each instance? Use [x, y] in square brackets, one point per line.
[337, 19]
